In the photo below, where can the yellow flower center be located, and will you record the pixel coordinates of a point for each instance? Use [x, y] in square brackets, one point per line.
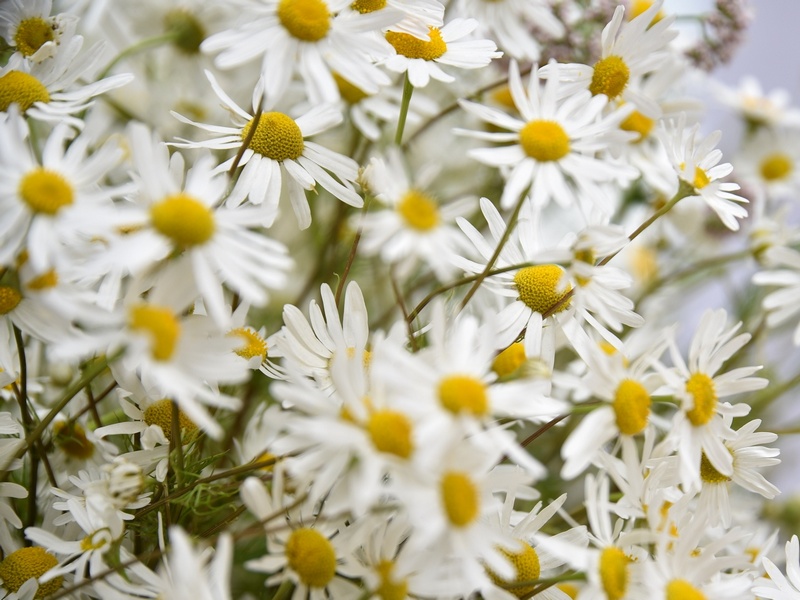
[368, 6]
[32, 34]
[639, 6]
[277, 137]
[460, 497]
[183, 219]
[254, 345]
[708, 473]
[311, 555]
[776, 166]
[614, 572]
[413, 47]
[188, 31]
[680, 589]
[9, 299]
[610, 77]
[160, 413]
[349, 92]
[701, 388]
[418, 210]
[45, 281]
[544, 140]
[30, 563]
[509, 360]
[638, 123]
[701, 179]
[631, 407]
[45, 192]
[503, 97]
[526, 567]
[539, 288]
[389, 589]
[307, 20]
[463, 394]
[23, 89]
[160, 324]
[569, 589]
[70, 437]
[390, 432]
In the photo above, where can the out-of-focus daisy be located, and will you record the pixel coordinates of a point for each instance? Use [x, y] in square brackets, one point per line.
[414, 227]
[769, 164]
[776, 585]
[696, 163]
[49, 91]
[558, 146]
[420, 59]
[308, 38]
[700, 429]
[278, 148]
[773, 109]
[28, 27]
[781, 304]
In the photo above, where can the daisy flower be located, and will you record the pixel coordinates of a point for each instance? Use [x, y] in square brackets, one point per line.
[781, 303]
[770, 164]
[28, 27]
[278, 148]
[420, 59]
[696, 163]
[700, 429]
[48, 91]
[414, 227]
[773, 109]
[558, 145]
[777, 586]
[21, 570]
[309, 38]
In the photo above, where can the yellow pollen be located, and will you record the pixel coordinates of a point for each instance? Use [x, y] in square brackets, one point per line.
[30, 563]
[368, 6]
[638, 123]
[776, 166]
[463, 394]
[413, 47]
[183, 219]
[526, 567]
[680, 589]
[89, 542]
[418, 210]
[277, 137]
[188, 31]
[70, 437]
[254, 345]
[45, 281]
[307, 20]
[639, 6]
[460, 498]
[311, 555]
[544, 140]
[32, 34]
[569, 589]
[644, 262]
[509, 360]
[614, 572]
[701, 179]
[264, 456]
[610, 77]
[539, 288]
[631, 407]
[23, 89]
[160, 413]
[753, 552]
[9, 299]
[389, 589]
[160, 324]
[704, 395]
[390, 432]
[45, 192]
[503, 97]
[349, 92]
[708, 473]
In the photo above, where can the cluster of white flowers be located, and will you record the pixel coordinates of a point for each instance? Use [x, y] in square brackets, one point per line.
[465, 363]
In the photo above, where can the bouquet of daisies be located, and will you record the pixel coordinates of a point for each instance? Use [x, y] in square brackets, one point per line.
[391, 299]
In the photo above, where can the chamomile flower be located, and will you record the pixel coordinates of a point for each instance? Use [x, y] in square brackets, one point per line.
[21, 569]
[696, 163]
[279, 157]
[414, 227]
[307, 38]
[770, 165]
[558, 149]
[29, 28]
[777, 586]
[420, 59]
[700, 429]
[784, 275]
[757, 107]
[49, 91]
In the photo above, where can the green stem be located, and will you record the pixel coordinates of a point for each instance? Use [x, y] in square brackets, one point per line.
[284, 591]
[408, 89]
[158, 40]
[176, 444]
[353, 248]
